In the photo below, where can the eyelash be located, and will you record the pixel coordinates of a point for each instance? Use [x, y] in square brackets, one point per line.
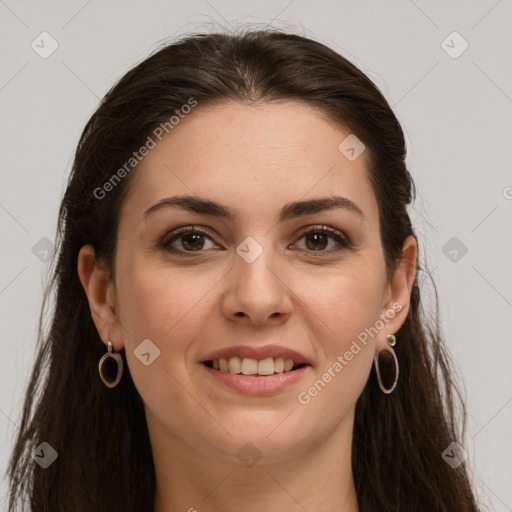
[320, 229]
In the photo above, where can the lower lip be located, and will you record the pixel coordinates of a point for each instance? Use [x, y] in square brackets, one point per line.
[258, 386]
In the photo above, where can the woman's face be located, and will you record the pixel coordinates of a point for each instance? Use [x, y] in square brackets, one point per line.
[255, 284]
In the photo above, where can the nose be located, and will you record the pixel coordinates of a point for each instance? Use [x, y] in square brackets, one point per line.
[257, 292]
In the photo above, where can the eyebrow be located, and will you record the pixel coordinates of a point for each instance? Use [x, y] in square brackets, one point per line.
[289, 211]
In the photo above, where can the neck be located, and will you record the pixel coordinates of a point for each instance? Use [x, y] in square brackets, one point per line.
[318, 478]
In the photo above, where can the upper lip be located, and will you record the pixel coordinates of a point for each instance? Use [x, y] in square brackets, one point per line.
[260, 352]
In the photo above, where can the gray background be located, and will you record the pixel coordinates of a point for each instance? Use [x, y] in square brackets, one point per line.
[455, 112]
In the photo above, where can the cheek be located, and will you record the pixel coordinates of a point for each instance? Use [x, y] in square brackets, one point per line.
[168, 307]
[346, 310]
[158, 303]
[346, 302]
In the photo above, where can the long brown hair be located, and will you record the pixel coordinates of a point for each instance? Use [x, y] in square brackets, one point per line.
[104, 455]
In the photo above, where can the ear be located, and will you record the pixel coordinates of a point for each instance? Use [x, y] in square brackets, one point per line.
[398, 292]
[100, 291]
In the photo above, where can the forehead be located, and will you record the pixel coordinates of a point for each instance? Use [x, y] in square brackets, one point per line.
[252, 157]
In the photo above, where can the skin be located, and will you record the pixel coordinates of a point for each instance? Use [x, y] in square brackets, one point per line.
[252, 158]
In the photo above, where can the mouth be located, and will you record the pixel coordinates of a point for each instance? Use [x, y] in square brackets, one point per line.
[254, 367]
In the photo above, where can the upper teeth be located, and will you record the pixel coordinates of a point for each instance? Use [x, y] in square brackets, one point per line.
[249, 366]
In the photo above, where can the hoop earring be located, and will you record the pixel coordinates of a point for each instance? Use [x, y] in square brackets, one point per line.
[386, 366]
[110, 367]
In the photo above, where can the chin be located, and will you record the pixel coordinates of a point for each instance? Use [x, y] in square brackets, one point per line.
[263, 436]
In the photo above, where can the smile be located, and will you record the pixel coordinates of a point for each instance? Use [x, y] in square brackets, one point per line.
[250, 366]
[255, 384]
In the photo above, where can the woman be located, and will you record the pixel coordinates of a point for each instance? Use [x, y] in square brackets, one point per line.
[237, 319]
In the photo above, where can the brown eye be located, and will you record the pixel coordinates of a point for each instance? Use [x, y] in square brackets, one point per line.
[187, 240]
[192, 241]
[317, 240]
